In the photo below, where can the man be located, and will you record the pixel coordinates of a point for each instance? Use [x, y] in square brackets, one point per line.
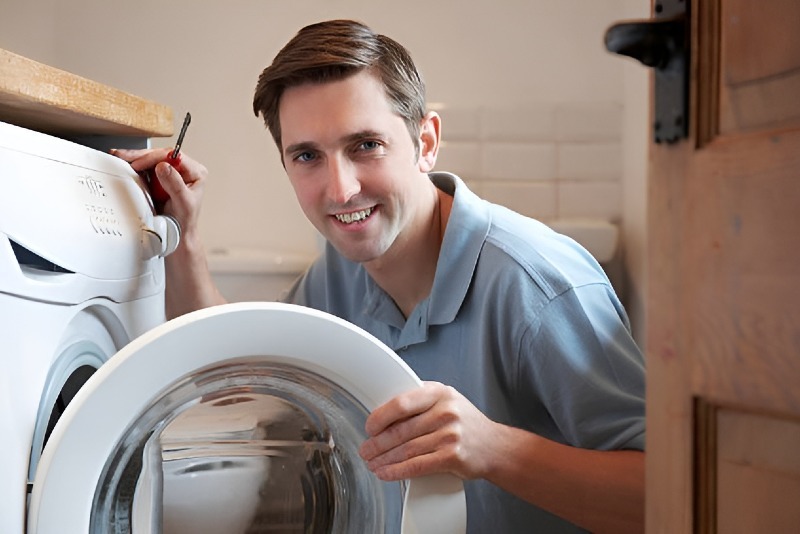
[535, 389]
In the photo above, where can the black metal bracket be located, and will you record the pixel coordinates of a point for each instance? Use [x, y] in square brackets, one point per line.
[663, 44]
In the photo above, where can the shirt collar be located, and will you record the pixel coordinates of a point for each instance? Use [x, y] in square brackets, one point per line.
[467, 228]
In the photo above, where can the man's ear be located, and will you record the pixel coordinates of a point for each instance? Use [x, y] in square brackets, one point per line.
[430, 133]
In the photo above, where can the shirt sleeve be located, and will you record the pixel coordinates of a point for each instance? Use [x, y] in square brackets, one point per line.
[587, 369]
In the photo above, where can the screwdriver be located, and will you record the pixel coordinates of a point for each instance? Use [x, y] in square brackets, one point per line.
[174, 158]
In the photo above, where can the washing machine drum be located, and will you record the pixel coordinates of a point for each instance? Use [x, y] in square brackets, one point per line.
[242, 418]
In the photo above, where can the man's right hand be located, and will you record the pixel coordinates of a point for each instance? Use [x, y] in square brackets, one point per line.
[184, 185]
[189, 282]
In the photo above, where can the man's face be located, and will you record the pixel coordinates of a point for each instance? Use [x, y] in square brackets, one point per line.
[352, 164]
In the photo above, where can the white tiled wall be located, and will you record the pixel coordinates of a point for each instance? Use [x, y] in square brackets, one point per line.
[548, 161]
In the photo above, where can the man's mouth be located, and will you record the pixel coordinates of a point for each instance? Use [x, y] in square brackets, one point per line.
[353, 217]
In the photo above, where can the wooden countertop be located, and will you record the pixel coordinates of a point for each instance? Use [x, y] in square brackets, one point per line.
[49, 100]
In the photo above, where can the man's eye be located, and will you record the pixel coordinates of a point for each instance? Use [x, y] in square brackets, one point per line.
[369, 145]
[304, 157]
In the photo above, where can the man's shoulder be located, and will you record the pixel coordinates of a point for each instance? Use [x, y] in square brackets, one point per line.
[520, 247]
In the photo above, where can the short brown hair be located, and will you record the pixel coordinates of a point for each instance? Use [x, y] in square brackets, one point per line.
[334, 50]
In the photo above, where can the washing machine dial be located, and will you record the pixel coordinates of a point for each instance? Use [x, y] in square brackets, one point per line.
[162, 237]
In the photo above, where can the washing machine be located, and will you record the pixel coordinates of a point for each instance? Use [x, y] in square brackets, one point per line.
[81, 275]
[239, 418]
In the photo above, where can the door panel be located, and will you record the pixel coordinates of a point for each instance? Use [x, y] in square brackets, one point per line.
[758, 478]
[760, 63]
[723, 308]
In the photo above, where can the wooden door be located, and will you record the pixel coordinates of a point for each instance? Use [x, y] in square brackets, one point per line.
[723, 304]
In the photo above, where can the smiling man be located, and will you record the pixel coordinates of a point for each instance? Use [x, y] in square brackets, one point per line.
[534, 391]
[362, 180]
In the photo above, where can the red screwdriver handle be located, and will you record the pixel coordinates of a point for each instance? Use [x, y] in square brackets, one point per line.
[157, 191]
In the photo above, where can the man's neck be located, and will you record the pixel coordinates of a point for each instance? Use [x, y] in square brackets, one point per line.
[407, 271]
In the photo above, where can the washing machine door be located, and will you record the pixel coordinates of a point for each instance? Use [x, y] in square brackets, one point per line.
[241, 418]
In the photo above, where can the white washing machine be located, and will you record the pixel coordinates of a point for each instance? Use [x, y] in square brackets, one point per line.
[81, 274]
[241, 418]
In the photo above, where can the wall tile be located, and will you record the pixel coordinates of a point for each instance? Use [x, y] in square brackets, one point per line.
[460, 157]
[458, 123]
[528, 123]
[546, 161]
[590, 161]
[590, 199]
[537, 200]
[519, 161]
[476, 186]
[588, 122]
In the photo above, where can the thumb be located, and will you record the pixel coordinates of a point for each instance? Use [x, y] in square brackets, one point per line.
[169, 178]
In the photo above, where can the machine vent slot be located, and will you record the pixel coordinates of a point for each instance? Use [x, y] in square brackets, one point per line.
[30, 259]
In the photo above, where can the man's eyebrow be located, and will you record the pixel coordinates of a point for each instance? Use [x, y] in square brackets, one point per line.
[304, 146]
[363, 134]
[300, 147]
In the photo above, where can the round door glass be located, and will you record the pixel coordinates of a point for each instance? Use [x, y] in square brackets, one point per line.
[246, 447]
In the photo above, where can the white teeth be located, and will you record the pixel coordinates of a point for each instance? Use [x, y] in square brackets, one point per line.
[356, 216]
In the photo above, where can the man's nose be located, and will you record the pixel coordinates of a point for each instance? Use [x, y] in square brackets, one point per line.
[343, 183]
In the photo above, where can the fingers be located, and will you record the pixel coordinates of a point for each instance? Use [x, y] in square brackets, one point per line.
[182, 185]
[189, 171]
[141, 159]
[440, 450]
[416, 433]
[406, 430]
[402, 407]
[149, 158]
[169, 178]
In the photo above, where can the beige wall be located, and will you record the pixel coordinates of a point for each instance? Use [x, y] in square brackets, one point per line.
[636, 136]
[204, 57]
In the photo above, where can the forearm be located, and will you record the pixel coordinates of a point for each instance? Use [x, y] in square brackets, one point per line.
[602, 491]
[189, 283]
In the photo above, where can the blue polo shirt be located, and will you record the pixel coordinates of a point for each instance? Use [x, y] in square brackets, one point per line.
[523, 322]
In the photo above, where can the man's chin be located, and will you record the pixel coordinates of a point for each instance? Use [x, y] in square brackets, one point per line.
[357, 254]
